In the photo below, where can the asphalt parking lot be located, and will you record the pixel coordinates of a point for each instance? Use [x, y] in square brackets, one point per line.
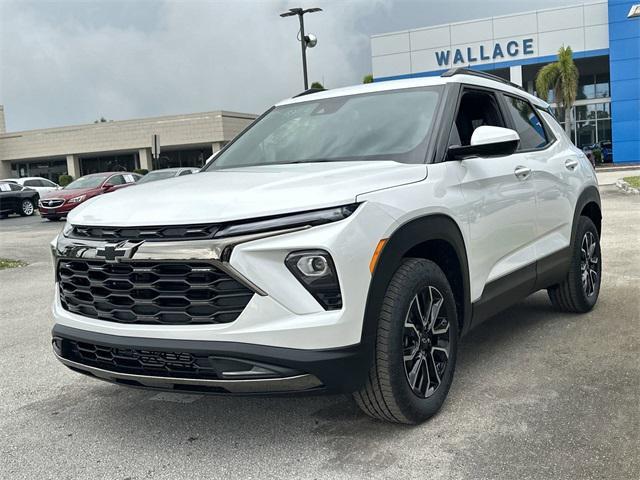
[537, 394]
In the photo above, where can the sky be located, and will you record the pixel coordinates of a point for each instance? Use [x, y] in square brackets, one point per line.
[70, 62]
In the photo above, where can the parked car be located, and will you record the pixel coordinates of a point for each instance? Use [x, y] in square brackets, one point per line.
[39, 184]
[165, 173]
[15, 198]
[344, 242]
[601, 152]
[55, 205]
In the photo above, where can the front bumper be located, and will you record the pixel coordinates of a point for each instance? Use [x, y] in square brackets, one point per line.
[283, 325]
[291, 370]
[56, 212]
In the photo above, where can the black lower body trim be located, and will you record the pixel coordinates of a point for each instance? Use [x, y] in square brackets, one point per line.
[338, 370]
[505, 291]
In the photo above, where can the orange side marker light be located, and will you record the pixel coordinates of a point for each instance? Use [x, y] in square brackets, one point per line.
[376, 254]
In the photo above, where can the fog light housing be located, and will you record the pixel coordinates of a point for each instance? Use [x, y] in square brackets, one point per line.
[315, 270]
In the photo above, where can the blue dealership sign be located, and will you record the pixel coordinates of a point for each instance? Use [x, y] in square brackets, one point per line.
[496, 52]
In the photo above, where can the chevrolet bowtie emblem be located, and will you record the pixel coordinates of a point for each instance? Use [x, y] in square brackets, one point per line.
[114, 252]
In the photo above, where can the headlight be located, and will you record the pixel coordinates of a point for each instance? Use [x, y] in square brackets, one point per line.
[67, 229]
[312, 218]
[317, 273]
[78, 199]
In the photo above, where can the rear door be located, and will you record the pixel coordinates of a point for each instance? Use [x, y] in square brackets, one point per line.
[501, 202]
[555, 174]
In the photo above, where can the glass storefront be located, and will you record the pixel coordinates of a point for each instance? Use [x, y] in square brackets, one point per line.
[51, 169]
[590, 123]
[182, 158]
[112, 163]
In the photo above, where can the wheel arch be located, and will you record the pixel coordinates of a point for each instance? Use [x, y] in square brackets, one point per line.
[436, 237]
[588, 205]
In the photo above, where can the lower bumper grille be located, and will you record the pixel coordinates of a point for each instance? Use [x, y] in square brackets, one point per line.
[140, 362]
[150, 292]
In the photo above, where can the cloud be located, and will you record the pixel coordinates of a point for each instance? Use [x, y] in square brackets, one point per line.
[72, 61]
[76, 63]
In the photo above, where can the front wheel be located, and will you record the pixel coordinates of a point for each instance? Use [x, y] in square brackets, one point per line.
[578, 293]
[416, 346]
[27, 208]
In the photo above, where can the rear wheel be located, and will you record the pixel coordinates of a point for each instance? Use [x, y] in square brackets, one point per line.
[416, 346]
[27, 208]
[578, 293]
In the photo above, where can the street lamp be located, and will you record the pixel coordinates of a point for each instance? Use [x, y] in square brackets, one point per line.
[306, 40]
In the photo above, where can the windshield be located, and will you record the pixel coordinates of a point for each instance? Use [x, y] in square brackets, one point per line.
[153, 176]
[392, 125]
[86, 182]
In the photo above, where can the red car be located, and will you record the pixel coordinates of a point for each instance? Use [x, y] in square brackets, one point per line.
[56, 205]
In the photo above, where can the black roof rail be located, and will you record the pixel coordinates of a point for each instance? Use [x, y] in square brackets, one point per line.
[479, 73]
[309, 91]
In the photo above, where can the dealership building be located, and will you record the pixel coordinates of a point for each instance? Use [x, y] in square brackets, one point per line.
[605, 39]
[185, 141]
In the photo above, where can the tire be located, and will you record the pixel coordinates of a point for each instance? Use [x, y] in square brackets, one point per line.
[578, 292]
[396, 390]
[27, 208]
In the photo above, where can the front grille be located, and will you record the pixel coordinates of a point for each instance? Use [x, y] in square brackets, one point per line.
[150, 292]
[176, 232]
[140, 362]
[51, 203]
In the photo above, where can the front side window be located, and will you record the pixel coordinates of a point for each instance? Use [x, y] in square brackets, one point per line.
[32, 183]
[392, 125]
[477, 108]
[527, 123]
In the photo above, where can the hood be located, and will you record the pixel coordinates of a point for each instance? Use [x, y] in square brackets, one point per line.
[235, 194]
[67, 194]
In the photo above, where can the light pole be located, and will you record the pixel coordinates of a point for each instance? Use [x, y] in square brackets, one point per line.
[306, 40]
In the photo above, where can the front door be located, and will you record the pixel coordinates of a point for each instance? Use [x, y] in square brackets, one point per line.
[500, 204]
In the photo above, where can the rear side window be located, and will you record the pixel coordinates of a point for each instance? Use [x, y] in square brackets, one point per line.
[32, 183]
[116, 180]
[527, 123]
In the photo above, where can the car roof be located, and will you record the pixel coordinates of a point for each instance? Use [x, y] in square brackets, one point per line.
[24, 179]
[388, 85]
[172, 169]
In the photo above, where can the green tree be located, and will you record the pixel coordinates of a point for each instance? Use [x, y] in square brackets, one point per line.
[317, 85]
[561, 77]
[367, 78]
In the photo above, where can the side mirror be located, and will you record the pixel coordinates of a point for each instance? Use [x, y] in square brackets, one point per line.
[486, 142]
[107, 187]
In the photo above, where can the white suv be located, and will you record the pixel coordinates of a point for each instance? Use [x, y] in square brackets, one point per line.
[343, 242]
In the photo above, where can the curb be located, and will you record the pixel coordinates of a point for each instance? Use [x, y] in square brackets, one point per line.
[626, 188]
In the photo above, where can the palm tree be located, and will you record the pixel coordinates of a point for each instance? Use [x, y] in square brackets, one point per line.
[561, 77]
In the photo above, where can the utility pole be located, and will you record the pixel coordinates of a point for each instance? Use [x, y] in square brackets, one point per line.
[309, 41]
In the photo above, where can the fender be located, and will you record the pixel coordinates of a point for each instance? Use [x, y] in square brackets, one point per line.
[407, 236]
[553, 269]
[591, 194]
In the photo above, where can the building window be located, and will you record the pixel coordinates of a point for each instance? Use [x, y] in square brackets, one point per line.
[590, 123]
[593, 86]
[182, 158]
[112, 163]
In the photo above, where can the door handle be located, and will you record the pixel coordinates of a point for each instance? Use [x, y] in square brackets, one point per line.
[522, 172]
[571, 164]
